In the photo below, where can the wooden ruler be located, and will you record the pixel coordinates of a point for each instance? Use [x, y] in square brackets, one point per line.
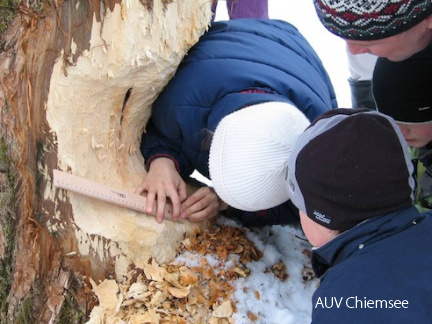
[103, 192]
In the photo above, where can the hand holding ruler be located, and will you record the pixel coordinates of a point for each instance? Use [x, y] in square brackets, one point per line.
[103, 192]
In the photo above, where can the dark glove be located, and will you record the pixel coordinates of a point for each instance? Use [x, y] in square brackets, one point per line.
[361, 94]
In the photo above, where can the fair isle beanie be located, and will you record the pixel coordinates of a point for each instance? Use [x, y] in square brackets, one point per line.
[403, 90]
[366, 20]
[249, 154]
[348, 166]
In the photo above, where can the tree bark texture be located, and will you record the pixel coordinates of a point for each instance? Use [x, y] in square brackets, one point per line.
[77, 83]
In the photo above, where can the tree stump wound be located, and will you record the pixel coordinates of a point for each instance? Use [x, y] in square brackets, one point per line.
[78, 81]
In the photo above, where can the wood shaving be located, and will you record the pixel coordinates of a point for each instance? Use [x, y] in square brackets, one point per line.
[176, 293]
[279, 270]
[253, 317]
[307, 271]
[257, 295]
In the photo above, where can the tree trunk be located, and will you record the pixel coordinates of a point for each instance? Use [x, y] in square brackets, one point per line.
[78, 81]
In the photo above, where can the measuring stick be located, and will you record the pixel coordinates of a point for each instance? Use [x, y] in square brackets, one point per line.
[103, 192]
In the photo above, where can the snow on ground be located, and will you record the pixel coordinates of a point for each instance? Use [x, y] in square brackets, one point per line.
[267, 295]
[280, 301]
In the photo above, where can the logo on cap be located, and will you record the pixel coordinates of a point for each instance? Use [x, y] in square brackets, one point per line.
[424, 108]
[321, 217]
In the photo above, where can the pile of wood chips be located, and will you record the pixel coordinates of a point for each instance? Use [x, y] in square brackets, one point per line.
[176, 293]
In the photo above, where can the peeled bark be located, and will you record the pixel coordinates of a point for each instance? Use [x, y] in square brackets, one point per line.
[78, 81]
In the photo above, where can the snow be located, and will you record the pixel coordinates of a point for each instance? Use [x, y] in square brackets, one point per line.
[280, 302]
[274, 300]
[270, 298]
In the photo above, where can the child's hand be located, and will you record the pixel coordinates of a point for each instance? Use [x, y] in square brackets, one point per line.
[202, 204]
[163, 182]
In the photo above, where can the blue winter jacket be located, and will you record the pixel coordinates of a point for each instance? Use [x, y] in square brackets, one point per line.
[268, 59]
[380, 271]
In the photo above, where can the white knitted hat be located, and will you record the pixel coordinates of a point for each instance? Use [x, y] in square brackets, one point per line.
[249, 154]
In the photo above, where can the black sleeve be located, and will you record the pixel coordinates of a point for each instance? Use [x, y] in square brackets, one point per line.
[283, 214]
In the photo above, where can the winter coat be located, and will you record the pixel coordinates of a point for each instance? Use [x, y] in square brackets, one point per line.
[380, 271]
[235, 64]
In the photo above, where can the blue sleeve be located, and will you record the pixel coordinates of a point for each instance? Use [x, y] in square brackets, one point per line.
[155, 145]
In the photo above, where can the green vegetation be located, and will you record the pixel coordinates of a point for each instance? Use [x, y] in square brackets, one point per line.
[70, 312]
[7, 11]
[10, 8]
[8, 207]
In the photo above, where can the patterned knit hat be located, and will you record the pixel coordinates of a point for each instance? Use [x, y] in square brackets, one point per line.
[249, 154]
[371, 19]
[403, 90]
[348, 166]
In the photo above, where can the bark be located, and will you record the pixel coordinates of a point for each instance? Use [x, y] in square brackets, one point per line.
[78, 81]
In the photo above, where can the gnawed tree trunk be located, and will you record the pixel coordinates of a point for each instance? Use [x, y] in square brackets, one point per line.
[78, 80]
